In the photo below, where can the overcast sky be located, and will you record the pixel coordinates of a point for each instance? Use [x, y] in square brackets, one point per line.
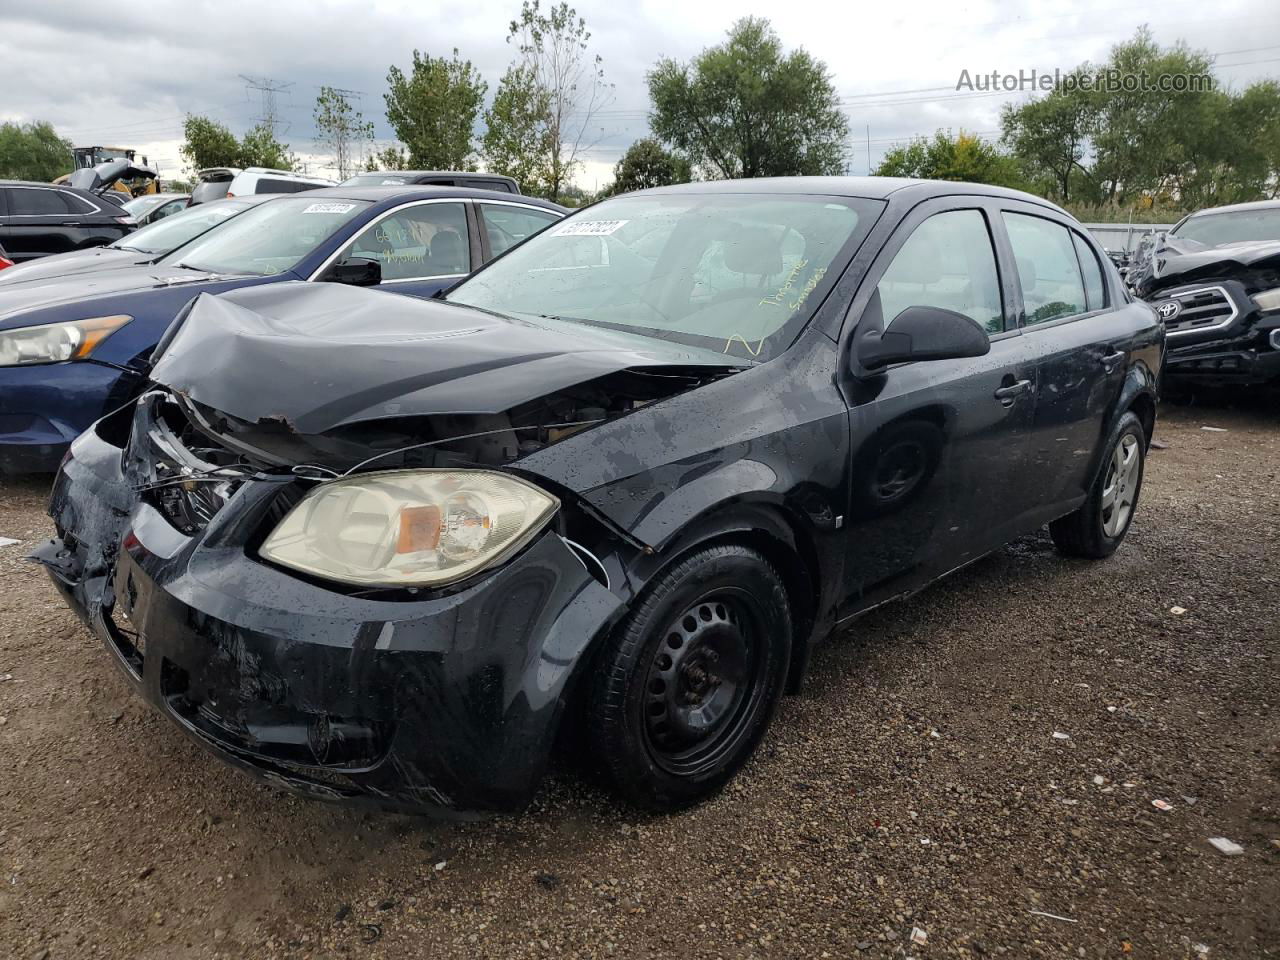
[125, 74]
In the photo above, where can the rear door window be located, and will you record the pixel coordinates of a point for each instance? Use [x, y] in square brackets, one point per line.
[507, 225]
[947, 262]
[417, 242]
[1048, 269]
[273, 185]
[35, 202]
[1095, 291]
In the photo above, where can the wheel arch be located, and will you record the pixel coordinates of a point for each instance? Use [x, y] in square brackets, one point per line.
[781, 537]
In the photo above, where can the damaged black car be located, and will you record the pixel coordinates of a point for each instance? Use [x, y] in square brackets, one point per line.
[1215, 281]
[602, 498]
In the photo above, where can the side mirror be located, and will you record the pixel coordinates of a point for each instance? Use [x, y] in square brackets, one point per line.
[924, 333]
[356, 271]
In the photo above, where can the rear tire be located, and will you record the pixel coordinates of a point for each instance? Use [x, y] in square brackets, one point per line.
[1097, 528]
[685, 688]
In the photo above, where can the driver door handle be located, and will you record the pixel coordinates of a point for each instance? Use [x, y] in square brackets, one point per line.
[1008, 394]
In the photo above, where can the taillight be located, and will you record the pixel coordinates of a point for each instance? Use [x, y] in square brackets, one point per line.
[5, 263]
[230, 194]
[127, 221]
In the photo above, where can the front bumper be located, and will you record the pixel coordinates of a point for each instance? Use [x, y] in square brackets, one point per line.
[44, 407]
[1239, 348]
[1253, 360]
[448, 705]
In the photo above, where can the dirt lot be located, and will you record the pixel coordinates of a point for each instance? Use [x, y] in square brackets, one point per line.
[917, 782]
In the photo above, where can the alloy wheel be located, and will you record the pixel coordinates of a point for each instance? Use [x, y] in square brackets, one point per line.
[1120, 489]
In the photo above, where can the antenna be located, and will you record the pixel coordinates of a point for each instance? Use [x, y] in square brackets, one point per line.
[268, 89]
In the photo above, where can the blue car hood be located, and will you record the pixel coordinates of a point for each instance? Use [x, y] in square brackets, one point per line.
[46, 301]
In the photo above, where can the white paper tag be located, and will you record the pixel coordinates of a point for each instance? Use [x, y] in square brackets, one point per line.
[589, 228]
[330, 208]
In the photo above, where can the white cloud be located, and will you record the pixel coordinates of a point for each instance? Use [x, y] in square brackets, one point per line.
[126, 77]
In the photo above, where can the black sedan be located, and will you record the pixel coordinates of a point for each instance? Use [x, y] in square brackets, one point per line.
[38, 219]
[606, 495]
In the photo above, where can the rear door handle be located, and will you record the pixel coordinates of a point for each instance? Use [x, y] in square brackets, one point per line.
[1007, 395]
[1112, 360]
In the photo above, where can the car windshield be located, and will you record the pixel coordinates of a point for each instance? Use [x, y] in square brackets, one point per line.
[168, 234]
[1215, 229]
[140, 206]
[737, 273]
[269, 239]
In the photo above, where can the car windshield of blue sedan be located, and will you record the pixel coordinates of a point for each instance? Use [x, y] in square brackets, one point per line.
[168, 234]
[269, 239]
[736, 273]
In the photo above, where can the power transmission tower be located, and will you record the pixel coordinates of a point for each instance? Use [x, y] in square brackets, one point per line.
[268, 89]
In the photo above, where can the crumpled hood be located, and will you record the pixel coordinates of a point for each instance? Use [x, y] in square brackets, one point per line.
[25, 304]
[1176, 261]
[317, 356]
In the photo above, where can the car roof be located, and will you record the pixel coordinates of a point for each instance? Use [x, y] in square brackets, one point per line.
[435, 173]
[1237, 208]
[869, 188]
[426, 191]
[49, 186]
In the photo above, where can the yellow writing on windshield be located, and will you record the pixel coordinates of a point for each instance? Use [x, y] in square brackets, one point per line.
[780, 297]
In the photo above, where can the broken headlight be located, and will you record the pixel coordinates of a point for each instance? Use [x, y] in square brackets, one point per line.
[1268, 300]
[409, 528]
[54, 342]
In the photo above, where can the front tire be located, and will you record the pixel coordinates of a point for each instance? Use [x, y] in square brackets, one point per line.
[685, 688]
[1097, 528]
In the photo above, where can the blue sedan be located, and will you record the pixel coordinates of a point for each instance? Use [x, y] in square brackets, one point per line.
[72, 349]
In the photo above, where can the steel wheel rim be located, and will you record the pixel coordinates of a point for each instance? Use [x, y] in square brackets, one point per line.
[701, 688]
[899, 470]
[1120, 488]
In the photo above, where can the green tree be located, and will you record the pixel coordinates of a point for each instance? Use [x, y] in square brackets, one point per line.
[434, 109]
[388, 158]
[747, 109]
[33, 151]
[342, 129]
[517, 140]
[1050, 137]
[1138, 145]
[963, 157]
[557, 82]
[260, 148]
[208, 143]
[646, 164]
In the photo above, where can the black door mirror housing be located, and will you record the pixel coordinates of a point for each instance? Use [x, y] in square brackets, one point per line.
[356, 271]
[923, 333]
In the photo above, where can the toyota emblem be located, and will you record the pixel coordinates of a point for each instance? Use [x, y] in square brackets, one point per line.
[1168, 310]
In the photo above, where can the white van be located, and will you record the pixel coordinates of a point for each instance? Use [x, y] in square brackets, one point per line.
[218, 182]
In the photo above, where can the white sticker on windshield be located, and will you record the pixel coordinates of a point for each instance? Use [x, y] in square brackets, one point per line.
[589, 228]
[393, 183]
[330, 208]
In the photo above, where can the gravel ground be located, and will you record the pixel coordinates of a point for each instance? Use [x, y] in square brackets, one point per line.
[917, 782]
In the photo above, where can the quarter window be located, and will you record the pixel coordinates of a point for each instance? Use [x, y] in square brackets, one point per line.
[947, 262]
[1048, 269]
[1095, 291]
[507, 225]
[427, 240]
